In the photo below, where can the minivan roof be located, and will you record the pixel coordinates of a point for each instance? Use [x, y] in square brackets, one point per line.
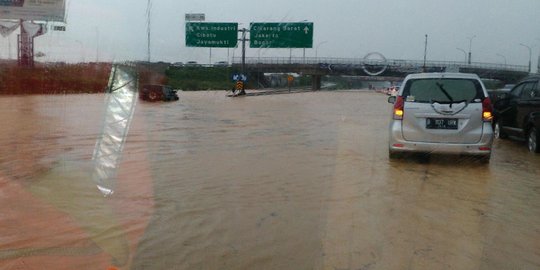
[442, 75]
[531, 78]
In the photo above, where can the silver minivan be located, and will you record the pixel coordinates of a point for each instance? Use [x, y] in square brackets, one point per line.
[448, 113]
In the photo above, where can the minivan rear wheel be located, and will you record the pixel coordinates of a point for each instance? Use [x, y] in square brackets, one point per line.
[394, 155]
[497, 131]
[532, 140]
[484, 159]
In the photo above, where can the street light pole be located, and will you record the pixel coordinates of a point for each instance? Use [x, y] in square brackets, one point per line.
[425, 53]
[290, 56]
[244, 31]
[464, 53]
[504, 57]
[81, 46]
[97, 44]
[317, 48]
[530, 54]
[538, 63]
[470, 47]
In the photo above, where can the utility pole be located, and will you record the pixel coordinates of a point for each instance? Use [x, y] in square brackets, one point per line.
[243, 31]
[148, 25]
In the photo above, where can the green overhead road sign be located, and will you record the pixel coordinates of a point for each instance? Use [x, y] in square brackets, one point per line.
[281, 35]
[206, 34]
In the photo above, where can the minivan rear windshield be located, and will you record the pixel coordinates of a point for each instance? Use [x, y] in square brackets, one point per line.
[443, 90]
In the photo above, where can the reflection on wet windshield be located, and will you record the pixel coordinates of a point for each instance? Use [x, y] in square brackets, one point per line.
[121, 99]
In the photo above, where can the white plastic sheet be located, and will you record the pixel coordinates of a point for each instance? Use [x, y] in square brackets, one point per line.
[8, 27]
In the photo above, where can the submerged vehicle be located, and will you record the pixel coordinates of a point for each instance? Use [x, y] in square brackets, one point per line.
[157, 92]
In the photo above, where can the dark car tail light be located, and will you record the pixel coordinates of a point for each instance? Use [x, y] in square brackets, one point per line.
[398, 108]
[487, 110]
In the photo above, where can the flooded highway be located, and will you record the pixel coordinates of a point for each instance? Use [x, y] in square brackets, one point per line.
[291, 181]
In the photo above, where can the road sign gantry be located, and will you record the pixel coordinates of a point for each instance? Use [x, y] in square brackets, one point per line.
[281, 35]
[262, 35]
[213, 35]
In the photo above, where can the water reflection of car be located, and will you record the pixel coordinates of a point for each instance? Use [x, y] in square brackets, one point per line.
[156, 92]
[447, 113]
[517, 113]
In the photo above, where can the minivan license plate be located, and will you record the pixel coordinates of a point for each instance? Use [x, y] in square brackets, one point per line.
[441, 123]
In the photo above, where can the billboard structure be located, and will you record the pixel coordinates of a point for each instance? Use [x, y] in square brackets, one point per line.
[36, 10]
[26, 11]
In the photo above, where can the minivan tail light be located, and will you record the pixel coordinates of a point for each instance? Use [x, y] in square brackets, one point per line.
[487, 110]
[398, 108]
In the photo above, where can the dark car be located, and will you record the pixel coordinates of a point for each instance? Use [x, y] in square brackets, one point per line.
[156, 92]
[192, 64]
[497, 94]
[517, 113]
[221, 64]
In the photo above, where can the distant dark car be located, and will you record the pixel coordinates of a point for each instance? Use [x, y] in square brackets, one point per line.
[192, 64]
[221, 64]
[156, 92]
[517, 113]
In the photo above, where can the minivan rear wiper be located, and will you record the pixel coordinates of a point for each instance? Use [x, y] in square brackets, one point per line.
[449, 102]
[441, 86]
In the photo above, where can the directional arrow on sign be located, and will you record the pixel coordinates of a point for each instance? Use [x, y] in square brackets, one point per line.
[306, 30]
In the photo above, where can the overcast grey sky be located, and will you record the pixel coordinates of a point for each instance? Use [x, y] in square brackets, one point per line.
[343, 28]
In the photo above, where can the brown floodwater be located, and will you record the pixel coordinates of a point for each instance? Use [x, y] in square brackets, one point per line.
[290, 181]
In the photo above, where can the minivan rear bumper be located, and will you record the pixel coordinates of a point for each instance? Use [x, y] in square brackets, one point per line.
[398, 144]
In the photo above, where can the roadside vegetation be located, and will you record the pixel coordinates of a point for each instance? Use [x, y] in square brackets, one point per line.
[199, 78]
[54, 79]
[62, 78]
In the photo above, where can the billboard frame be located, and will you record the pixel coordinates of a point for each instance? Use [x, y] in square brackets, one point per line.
[51, 10]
